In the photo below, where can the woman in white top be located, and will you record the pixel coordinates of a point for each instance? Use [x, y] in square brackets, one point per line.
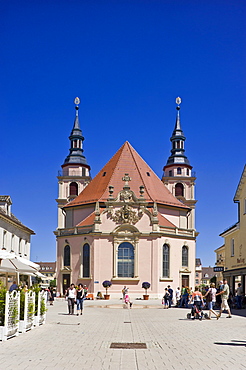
[211, 299]
[71, 296]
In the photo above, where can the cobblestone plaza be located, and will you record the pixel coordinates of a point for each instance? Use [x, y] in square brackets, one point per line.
[172, 341]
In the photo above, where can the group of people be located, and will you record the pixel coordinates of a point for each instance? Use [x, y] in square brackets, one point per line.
[185, 297]
[210, 297]
[76, 295]
[168, 297]
[126, 297]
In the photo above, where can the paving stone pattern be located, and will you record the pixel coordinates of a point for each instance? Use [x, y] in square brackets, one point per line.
[172, 341]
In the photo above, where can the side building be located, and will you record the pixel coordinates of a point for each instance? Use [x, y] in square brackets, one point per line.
[128, 227]
[15, 238]
[235, 240]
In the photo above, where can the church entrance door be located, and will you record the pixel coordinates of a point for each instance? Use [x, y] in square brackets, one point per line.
[185, 280]
[65, 282]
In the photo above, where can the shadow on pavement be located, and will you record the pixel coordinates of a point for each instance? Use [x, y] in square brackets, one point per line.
[241, 312]
[238, 343]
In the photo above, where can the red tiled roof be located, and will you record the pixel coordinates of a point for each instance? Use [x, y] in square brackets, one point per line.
[163, 221]
[126, 160]
[89, 220]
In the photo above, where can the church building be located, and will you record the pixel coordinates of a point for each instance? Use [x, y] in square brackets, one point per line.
[126, 224]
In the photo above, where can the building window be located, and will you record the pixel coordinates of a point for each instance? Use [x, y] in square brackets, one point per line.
[184, 256]
[67, 256]
[86, 260]
[170, 173]
[12, 243]
[178, 171]
[179, 190]
[166, 258]
[26, 248]
[73, 188]
[188, 172]
[126, 260]
[4, 239]
[232, 247]
[20, 240]
[83, 171]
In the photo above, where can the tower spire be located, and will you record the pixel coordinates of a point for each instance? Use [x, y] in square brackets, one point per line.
[76, 141]
[177, 139]
[75, 174]
[178, 175]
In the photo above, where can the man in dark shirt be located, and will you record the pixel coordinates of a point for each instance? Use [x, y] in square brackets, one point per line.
[14, 286]
[170, 291]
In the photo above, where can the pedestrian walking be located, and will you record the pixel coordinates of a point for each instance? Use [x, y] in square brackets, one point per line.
[184, 297]
[224, 299]
[239, 294]
[123, 293]
[80, 295]
[177, 296]
[165, 300]
[127, 300]
[51, 296]
[211, 299]
[71, 296]
[170, 299]
[198, 302]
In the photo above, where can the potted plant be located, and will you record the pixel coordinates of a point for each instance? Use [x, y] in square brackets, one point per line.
[146, 286]
[106, 284]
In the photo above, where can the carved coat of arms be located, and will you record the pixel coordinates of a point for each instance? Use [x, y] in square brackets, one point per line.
[126, 215]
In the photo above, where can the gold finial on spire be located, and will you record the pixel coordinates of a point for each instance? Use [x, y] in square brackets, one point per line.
[76, 101]
[178, 100]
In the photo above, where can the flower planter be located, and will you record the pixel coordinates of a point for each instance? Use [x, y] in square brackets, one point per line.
[6, 333]
[26, 323]
[25, 326]
[12, 309]
[106, 296]
[145, 297]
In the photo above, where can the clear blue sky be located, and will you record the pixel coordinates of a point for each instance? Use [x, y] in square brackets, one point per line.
[127, 61]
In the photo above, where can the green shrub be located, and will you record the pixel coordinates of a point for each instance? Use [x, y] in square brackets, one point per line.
[3, 291]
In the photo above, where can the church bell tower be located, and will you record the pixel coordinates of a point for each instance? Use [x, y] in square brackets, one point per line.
[178, 175]
[75, 173]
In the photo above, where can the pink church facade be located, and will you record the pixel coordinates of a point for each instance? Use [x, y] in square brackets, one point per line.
[126, 225]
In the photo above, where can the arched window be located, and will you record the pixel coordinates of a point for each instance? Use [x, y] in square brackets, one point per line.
[179, 190]
[232, 247]
[73, 188]
[83, 171]
[67, 256]
[86, 260]
[165, 269]
[184, 256]
[126, 260]
[179, 171]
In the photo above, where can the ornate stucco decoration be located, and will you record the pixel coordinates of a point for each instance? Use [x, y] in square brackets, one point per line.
[126, 207]
[125, 215]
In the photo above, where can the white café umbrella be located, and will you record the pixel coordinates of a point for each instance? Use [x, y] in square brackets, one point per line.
[10, 262]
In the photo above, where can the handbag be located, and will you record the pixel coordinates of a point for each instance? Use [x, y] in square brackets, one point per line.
[209, 296]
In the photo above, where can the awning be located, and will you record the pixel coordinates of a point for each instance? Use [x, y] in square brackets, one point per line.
[10, 262]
